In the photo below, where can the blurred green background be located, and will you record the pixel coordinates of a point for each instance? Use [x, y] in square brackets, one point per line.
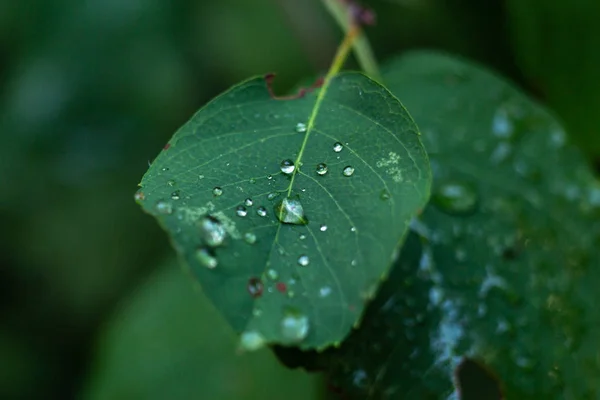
[90, 90]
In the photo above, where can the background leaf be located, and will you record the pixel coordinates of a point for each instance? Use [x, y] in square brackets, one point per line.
[168, 342]
[360, 175]
[556, 45]
[499, 276]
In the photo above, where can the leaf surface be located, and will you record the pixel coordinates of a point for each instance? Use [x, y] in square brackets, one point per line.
[497, 285]
[343, 168]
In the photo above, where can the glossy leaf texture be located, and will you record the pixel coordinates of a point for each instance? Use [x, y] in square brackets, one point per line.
[496, 290]
[289, 212]
[168, 342]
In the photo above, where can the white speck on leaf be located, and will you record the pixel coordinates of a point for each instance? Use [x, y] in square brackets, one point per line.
[391, 165]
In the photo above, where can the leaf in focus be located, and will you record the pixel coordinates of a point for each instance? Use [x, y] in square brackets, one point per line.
[168, 342]
[556, 46]
[342, 167]
[497, 283]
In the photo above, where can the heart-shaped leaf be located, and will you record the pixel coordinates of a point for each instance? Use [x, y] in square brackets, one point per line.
[496, 288]
[289, 212]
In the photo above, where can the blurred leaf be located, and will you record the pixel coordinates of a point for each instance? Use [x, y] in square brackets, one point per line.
[556, 44]
[498, 281]
[168, 342]
[220, 187]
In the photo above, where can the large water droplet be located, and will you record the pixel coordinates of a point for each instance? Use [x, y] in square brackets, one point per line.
[205, 258]
[290, 211]
[303, 260]
[261, 211]
[241, 211]
[250, 237]
[252, 340]
[248, 202]
[348, 171]
[337, 147]
[455, 198]
[300, 127]
[287, 166]
[164, 207]
[212, 231]
[217, 191]
[255, 287]
[294, 325]
[322, 169]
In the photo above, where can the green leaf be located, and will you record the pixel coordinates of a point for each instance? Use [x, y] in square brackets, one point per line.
[168, 342]
[343, 168]
[556, 46]
[497, 284]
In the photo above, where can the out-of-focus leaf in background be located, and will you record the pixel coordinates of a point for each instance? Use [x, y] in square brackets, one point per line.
[168, 342]
[556, 44]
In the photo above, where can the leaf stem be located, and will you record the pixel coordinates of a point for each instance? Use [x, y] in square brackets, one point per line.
[362, 48]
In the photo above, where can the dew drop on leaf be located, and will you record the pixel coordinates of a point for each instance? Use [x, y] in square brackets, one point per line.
[261, 211]
[302, 236]
[212, 231]
[325, 291]
[252, 340]
[385, 195]
[301, 127]
[255, 287]
[272, 274]
[303, 260]
[175, 195]
[323, 228]
[321, 169]
[241, 211]
[294, 325]
[348, 171]
[164, 207]
[205, 258]
[455, 198]
[290, 211]
[252, 180]
[250, 237]
[287, 166]
[139, 196]
[337, 147]
[248, 202]
[272, 195]
[217, 191]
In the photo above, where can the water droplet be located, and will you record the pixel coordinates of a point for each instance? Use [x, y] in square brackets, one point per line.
[337, 147]
[241, 211]
[455, 198]
[272, 195]
[322, 169]
[252, 180]
[175, 195]
[325, 291]
[348, 171]
[302, 236]
[294, 325]
[205, 258]
[164, 169]
[303, 260]
[252, 340]
[269, 177]
[248, 202]
[200, 176]
[212, 231]
[250, 237]
[164, 207]
[290, 211]
[300, 127]
[502, 125]
[323, 228]
[287, 166]
[139, 196]
[385, 195]
[217, 191]
[353, 229]
[272, 274]
[255, 287]
[291, 294]
[261, 211]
